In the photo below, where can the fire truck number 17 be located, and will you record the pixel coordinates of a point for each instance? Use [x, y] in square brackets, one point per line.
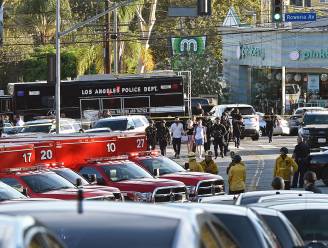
[27, 157]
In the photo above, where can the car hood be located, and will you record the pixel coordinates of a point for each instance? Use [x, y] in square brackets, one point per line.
[102, 188]
[316, 126]
[72, 193]
[191, 178]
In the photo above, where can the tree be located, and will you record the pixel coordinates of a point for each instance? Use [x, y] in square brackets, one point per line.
[39, 17]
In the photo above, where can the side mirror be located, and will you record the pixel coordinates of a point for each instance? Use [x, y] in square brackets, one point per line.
[156, 172]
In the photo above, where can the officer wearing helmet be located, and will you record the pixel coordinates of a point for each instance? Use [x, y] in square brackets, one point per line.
[209, 166]
[237, 176]
[278, 183]
[193, 164]
[309, 182]
[285, 167]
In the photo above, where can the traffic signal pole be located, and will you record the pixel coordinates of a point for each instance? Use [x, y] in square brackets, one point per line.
[59, 34]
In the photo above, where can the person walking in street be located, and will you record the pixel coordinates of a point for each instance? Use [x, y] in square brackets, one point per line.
[237, 125]
[301, 155]
[151, 134]
[278, 183]
[309, 182]
[218, 132]
[226, 123]
[193, 165]
[209, 166]
[176, 131]
[207, 122]
[270, 120]
[237, 176]
[163, 136]
[285, 167]
[199, 137]
[189, 133]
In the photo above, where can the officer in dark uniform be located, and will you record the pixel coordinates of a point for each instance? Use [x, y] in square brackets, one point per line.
[218, 133]
[270, 120]
[225, 121]
[237, 125]
[163, 136]
[151, 134]
[300, 155]
[208, 124]
[309, 180]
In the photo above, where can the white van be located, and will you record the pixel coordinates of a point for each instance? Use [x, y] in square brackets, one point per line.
[251, 119]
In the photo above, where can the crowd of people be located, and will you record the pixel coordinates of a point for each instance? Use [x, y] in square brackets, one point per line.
[13, 121]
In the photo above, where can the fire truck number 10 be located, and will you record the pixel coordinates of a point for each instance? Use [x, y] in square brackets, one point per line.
[111, 147]
[27, 157]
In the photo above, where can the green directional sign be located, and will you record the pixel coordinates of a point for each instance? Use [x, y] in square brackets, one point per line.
[187, 45]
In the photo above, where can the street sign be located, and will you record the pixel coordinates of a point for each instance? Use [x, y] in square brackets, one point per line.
[300, 17]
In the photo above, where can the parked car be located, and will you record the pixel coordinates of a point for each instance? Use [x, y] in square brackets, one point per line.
[281, 128]
[314, 129]
[251, 119]
[244, 223]
[318, 163]
[281, 227]
[221, 199]
[121, 225]
[294, 197]
[8, 193]
[48, 126]
[199, 185]
[135, 123]
[73, 177]
[26, 232]
[297, 118]
[45, 184]
[309, 219]
[135, 183]
[254, 196]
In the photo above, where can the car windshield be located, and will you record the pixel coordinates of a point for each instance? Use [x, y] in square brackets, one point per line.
[37, 128]
[103, 229]
[126, 171]
[165, 165]
[315, 119]
[235, 223]
[311, 224]
[41, 183]
[243, 110]
[8, 193]
[71, 176]
[114, 125]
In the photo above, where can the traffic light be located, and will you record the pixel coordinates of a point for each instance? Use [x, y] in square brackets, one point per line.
[277, 10]
[1, 23]
[204, 7]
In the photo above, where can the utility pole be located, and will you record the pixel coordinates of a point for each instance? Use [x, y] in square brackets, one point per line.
[115, 43]
[58, 67]
[107, 47]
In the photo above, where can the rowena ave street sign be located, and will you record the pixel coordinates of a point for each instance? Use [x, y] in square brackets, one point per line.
[300, 17]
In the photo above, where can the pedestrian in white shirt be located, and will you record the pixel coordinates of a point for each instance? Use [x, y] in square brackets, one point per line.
[176, 134]
[200, 137]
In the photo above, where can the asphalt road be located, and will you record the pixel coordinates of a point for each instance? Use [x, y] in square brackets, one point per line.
[259, 157]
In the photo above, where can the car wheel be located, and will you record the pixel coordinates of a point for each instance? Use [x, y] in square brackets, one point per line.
[256, 137]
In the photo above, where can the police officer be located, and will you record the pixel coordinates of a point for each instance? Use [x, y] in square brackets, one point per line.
[301, 155]
[309, 180]
[237, 176]
[218, 132]
[151, 134]
[209, 166]
[164, 137]
[237, 125]
[285, 167]
[226, 123]
[270, 120]
[208, 124]
[278, 183]
[192, 164]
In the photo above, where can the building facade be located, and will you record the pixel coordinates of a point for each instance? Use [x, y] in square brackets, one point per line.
[259, 62]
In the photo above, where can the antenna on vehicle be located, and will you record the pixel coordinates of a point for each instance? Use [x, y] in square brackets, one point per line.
[80, 196]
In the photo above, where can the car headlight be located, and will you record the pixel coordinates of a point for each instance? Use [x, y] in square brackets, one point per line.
[143, 197]
[191, 190]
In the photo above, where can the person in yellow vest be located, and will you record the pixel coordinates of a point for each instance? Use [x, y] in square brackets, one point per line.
[208, 164]
[237, 176]
[285, 167]
[193, 165]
